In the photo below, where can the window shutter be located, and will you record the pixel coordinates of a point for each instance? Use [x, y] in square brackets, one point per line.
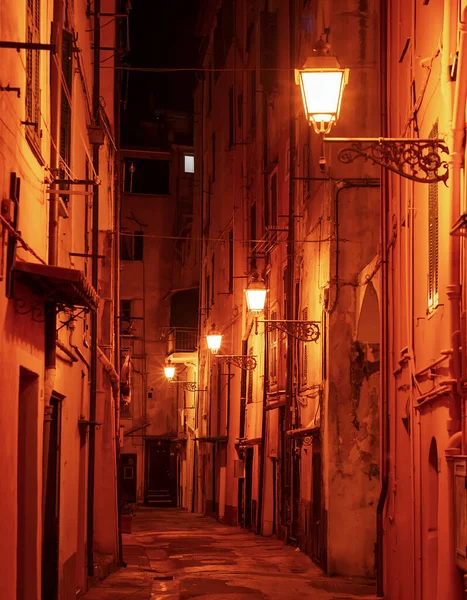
[250, 381]
[433, 238]
[268, 77]
[65, 108]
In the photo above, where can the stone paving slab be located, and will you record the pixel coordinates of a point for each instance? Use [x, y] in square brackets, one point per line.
[174, 555]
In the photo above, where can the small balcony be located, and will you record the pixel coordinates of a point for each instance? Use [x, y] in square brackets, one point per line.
[181, 342]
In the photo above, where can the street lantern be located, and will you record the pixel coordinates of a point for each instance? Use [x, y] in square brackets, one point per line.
[214, 340]
[169, 371]
[255, 295]
[322, 82]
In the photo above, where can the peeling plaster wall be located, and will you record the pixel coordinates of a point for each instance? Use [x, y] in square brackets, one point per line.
[353, 430]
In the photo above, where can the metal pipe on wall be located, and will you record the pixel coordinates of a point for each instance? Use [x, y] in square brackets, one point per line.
[95, 282]
[384, 337]
[50, 322]
[456, 163]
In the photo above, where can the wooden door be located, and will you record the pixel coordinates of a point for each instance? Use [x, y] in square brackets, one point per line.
[160, 473]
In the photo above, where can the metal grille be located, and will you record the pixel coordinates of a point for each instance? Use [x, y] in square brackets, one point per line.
[433, 239]
[250, 381]
[304, 373]
[32, 107]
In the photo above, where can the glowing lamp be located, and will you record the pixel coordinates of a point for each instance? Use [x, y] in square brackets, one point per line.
[322, 82]
[214, 340]
[255, 296]
[169, 371]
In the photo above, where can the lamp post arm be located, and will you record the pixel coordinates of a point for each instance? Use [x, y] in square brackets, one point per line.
[417, 159]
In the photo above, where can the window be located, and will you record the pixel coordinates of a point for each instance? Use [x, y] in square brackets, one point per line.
[131, 245]
[231, 118]
[65, 110]
[146, 176]
[249, 395]
[231, 261]
[240, 110]
[253, 98]
[306, 170]
[213, 156]
[273, 355]
[304, 361]
[270, 214]
[33, 109]
[125, 317]
[207, 208]
[209, 88]
[433, 239]
[213, 266]
[249, 37]
[253, 226]
[268, 51]
[433, 250]
[207, 294]
[189, 163]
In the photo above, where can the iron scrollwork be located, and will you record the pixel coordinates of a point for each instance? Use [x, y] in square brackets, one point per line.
[305, 331]
[189, 386]
[36, 310]
[415, 159]
[248, 363]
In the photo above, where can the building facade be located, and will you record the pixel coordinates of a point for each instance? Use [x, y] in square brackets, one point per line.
[58, 280]
[334, 418]
[158, 309]
[291, 446]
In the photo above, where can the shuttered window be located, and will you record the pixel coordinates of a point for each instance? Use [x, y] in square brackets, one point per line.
[250, 380]
[65, 110]
[268, 55]
[273, 351]
[231, 261]
[433, 239]
[33, 111]
[304, 369]
[231, 118]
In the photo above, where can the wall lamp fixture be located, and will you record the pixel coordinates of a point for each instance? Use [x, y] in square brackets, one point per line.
[189, 386]
[214, 340]
[306, 331]
[256, 294]
[322, 82]
[245, 362]
[169, 371]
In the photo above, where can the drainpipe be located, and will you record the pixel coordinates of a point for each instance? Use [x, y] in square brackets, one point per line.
[456, 161]
[263, 447]
[50, 321]
[116, 270]
[458, 407]
[384, 376]
[95, 283]
[288, 470]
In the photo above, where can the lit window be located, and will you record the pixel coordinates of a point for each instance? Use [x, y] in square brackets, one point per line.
[189, 163]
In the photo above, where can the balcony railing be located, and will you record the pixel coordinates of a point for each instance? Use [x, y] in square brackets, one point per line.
[180, 339]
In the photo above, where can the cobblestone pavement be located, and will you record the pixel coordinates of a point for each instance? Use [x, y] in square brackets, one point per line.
[174, 555]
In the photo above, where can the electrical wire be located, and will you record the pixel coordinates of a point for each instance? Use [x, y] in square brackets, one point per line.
[206, 239]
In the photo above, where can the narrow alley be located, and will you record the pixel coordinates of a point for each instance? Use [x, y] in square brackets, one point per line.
[175, 555]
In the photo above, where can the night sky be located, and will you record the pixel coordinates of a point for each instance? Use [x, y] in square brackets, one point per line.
[161, 36]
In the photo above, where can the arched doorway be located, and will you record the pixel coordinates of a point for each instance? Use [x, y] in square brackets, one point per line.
[430, 524]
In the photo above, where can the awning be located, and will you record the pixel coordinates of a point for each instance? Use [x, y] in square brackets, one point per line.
[68, 287]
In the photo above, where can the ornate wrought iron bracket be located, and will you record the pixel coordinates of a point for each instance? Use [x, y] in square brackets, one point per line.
[189, 386]
[22, 307]
[416, 159]
[305, 331]
[248, 363]
[84, 424]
